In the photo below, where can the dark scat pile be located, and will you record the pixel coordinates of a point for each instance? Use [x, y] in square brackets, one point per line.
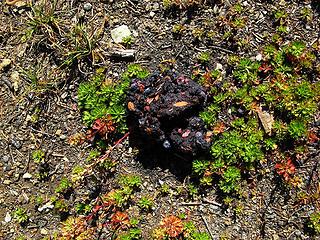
[163, 112]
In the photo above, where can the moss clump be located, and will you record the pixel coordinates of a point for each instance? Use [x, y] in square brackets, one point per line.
[101, 97]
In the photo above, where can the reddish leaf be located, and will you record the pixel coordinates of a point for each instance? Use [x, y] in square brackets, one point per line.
[172, 225]
[120, 220]
[286, 169]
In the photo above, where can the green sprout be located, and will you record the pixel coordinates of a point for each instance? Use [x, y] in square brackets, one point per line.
[38, 156]
[21, 215]
[145, 203]
[64, 186]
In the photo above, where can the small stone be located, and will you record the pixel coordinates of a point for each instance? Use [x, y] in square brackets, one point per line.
[5, 63]
[58, 132]
[27, 176]
[119, 33]
[259, 57]
[44, 231]
[87, 6]
[5, 159]
[219, 66]
[7, 217]
[64, 95]
[152, 14]
[16, 143]
[63, 137]
[156, 6]
[6, 182]
[15, 79]
[245, 4]
[46, 206]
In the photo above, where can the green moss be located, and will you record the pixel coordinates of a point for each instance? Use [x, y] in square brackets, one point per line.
[98, 99]
[38, 156]
[64, 186]
[21, 215]
[314, 222]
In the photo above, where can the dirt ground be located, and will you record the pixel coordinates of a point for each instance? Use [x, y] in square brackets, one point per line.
[38, 110]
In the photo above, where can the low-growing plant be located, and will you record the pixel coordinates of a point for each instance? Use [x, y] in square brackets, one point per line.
[247, 71]
[230, 180]
[131, 181]
[297, 129]
[38, 156]
[131, 234]
[21, 215]
[127, 41]
[164, 189]
[77, 173]
[64, 186]
[93, 154]
[314, 222]
[173, 227]
[99, 99]
[82, 208]
[145, 203]
[61, 206]
[204, 57]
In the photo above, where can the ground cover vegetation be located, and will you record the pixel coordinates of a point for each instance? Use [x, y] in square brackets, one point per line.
[258, 71]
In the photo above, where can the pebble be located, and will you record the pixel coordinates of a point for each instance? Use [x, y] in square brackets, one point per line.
[58, 132]
[5, 63]
[7, 217]
[5, 159]
[44, 231]
[219, 66]
[152, 14]
[64, 95]
[46, 206]
[119, 33]
[63, 137]
[259, 57]
[6, 168]
[15, 79]
[27, 176]
[16, 143]
[87, 6]
[6, 182]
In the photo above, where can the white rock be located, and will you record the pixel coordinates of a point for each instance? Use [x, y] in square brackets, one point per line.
[15, 79]
[58, 132]
[119, 33]
[7, 217]
[87, 6]
[46, 206]
[6, 182]
[43, 231]
[259, 57]
[4, 63]
[219, 66]
[152, 14]
[27, 176]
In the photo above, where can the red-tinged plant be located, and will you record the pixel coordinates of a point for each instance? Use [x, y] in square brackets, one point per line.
[312, 137]
[77, 139]
[172, 225]
[120, 220]
[265, 68]
[219, 128]
[101, 127]
[285, 169]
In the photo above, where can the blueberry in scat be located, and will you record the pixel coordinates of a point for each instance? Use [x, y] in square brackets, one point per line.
[142, 121]
[134, 87]
[199, 135]
[147, 91]
[166, 144]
